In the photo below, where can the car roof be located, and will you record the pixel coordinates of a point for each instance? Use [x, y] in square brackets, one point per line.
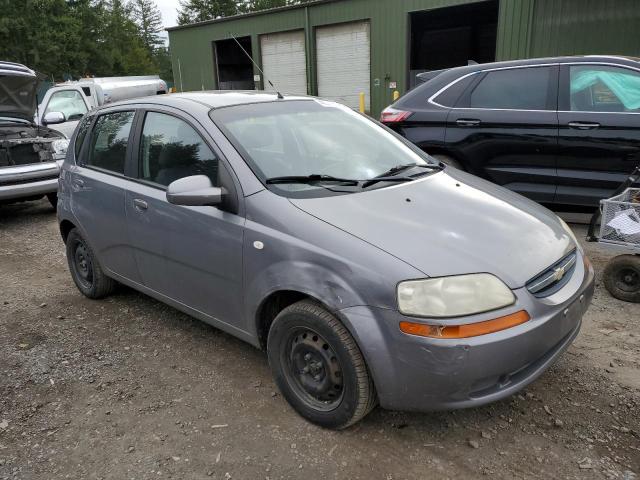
[546, 60]
[212, 99]
[11, 68]
[436, 80]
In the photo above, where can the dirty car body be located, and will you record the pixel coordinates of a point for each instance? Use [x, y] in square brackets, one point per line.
[313, 207]
[30, 155]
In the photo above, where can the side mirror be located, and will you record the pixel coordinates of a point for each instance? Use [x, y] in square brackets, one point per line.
[194, 191]
[53, 118]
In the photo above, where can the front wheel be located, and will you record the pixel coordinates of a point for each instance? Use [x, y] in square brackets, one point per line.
[318, 367]
[622, 278]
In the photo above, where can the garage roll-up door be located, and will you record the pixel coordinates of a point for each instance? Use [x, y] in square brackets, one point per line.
[343, 63]
[284, 61]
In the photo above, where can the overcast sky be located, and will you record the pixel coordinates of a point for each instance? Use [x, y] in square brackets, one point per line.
[168, 8]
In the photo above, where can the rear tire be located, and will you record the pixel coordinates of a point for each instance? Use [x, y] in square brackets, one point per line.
[447, 160]
[85, 269]
[318, 367]
[622, 278]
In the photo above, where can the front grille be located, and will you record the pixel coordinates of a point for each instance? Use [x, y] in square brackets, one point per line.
[553, 278]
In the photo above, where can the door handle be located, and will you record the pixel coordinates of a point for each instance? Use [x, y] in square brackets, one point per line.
[465, 122]
[78, 183]
[140, 204]
[584, 125]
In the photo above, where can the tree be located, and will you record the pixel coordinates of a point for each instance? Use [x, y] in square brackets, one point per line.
[149, 21]
[192, 11]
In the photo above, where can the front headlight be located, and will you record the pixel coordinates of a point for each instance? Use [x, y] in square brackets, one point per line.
[453, 296]
[60, 147]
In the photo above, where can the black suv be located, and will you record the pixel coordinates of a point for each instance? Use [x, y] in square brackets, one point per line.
[558, 130]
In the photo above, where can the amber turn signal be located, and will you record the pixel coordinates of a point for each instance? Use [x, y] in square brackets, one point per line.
[465, 331]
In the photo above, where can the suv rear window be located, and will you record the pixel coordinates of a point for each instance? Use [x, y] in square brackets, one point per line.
[513, 89]
[109, 138]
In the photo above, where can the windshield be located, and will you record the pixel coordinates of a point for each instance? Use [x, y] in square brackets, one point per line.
[314, 138]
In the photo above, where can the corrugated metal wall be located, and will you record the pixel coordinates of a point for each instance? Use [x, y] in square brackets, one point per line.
[526, 28]
[541, 28]
[191, 48]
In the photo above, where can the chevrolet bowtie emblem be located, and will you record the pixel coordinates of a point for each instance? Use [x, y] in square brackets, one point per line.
[558, 273]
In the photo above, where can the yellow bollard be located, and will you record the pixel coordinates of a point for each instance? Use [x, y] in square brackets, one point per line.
[362, 102]
[396, 95]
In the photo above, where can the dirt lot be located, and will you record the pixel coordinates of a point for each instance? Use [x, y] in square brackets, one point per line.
[129, 388]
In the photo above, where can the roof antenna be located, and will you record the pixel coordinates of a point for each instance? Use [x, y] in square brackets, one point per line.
[280, 97]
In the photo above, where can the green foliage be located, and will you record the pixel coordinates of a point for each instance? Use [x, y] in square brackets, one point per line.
[149, 21]
[62, 38]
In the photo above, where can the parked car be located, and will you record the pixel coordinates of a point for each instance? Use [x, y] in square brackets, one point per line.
[64, 104]
[557, 130]
[367, 270]
[30, 154]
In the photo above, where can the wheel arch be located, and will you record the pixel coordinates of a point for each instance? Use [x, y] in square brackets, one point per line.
[65, 227]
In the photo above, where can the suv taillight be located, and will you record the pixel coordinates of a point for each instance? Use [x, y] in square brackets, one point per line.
[393, 115]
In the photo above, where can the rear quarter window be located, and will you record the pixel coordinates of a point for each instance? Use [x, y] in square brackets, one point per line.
[450, 96]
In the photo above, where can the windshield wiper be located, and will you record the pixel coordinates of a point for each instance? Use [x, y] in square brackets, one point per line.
[387, 176]
[312, 179]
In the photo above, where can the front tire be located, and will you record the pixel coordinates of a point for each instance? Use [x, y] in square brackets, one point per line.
[318, 366]
[85, 269]
[622, 278]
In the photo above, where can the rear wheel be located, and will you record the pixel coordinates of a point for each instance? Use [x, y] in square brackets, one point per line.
[447, 160]
[622, 278]
[318, 366]
[85, 269]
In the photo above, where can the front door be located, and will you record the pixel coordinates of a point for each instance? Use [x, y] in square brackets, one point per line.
[68, 101]
[506, 126]
[599, 140]
[192, 255]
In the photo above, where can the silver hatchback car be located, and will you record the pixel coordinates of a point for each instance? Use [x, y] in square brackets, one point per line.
[368, 271]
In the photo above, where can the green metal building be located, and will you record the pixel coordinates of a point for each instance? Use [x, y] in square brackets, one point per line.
[339, 48]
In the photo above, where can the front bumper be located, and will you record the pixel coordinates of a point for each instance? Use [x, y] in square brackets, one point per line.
[417, 373]
[32, 180]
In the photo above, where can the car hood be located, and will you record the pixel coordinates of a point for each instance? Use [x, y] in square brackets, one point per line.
[451, 224]
[17, 91]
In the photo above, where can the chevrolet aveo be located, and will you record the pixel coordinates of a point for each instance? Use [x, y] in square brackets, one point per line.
[369, 272]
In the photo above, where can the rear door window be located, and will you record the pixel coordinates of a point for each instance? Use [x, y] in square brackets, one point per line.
[603, 88]
[171, 149]
[514, 89]
[109, 140]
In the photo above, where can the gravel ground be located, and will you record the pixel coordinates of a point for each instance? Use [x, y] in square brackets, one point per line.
[129, 388]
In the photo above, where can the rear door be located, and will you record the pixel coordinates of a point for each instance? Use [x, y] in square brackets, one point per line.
[505, 127]
[599, 140]
[191, 255]
[98, 189]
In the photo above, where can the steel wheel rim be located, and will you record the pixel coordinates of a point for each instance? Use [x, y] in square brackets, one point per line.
[313, 369]
[82, 265]
[628, 279]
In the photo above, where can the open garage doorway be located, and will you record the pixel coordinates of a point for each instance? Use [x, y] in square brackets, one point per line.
[452, 36]
[233, 66]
